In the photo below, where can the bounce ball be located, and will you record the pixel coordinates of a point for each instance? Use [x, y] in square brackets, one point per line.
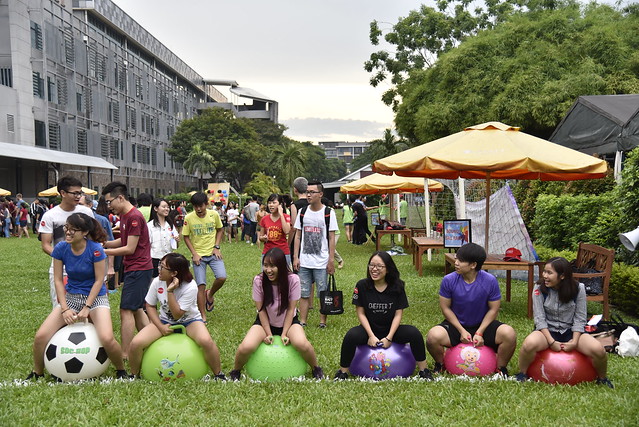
[383, 363]
[75, 353]
[561, 367]
[174, 357]
[275, 361]
[466, 359]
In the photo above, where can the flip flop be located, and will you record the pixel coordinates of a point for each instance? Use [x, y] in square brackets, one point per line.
[209, 304]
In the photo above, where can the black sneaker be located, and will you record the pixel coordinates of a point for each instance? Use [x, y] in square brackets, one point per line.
[438, 368]
[425, 374]
[235, 375]
[56, 379]
[521, 377]
[33, 376]
[318, 373]
[502, 371]
[340, 375]
[121, 374]
[220, 377]
[605, 381]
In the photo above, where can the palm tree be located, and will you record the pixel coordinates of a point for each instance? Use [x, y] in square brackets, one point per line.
[386, 146]
[289, 160]
[199, 160]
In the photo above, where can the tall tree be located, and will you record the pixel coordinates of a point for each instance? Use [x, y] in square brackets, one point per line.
[289, 159]
[199, 161]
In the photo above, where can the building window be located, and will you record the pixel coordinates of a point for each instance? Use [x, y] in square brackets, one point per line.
[133, 147]
[52, 92]
[10, 123]
[104, 146]
[54, 136]
[115, 149]
[40, 134]
[36, 36]
[82, 141]
[38, 85]
[5, 77]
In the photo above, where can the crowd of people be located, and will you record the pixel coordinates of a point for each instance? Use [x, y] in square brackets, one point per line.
[89, 241]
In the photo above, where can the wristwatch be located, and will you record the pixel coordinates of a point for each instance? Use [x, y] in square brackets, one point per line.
[216, 247]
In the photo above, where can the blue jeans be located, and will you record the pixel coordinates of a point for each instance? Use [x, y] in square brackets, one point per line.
[310, 275]
[6, 227]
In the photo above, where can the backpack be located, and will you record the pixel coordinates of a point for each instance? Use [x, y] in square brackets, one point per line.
[327, 219]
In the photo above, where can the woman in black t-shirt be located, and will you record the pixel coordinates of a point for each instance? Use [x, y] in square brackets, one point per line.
[380, 301]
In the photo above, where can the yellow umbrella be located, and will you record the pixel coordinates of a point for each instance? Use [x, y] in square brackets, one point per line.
[493, 150]
[377, 184]
[53, 191]
[4, 192]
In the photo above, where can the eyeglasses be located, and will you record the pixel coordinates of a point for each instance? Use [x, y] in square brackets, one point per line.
[76, 194]
[163, 267]
[313, 192]
[108, 202]
[69, 230]
[376, 266]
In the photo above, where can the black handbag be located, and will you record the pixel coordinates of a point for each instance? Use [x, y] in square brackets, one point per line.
[593, 285]
[331, 300]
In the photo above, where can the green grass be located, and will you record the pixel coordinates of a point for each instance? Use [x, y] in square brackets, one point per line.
[24, 303]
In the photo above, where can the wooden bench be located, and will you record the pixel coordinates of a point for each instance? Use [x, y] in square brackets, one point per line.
[602, 261]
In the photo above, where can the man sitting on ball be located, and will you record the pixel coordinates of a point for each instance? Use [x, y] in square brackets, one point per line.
[469, 299]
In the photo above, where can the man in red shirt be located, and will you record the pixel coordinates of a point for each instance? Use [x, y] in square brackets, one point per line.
[134, 245]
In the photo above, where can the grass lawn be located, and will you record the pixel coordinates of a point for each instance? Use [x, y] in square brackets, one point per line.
[24, 296]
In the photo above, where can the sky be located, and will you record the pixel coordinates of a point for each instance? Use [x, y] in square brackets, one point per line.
[307, 55]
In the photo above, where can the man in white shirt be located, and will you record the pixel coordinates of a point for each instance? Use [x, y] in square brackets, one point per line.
[314, 254]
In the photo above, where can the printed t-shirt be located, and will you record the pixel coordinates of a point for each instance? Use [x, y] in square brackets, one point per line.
[80, 269]
[54, 219]
[202, 231]
[275, 234]
[379, 307]
[314, 244]
[294, 294]
[132, 223]
[469, 302]
[185, 294]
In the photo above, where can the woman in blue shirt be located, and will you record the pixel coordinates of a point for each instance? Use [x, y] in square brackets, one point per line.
[84, 296]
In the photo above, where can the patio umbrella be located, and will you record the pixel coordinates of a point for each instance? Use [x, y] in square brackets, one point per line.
[378, 184]
[53, 191]
[4, 192]
[493, 150]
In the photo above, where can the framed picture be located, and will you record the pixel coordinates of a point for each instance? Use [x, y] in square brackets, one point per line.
[374, 218]
[457, 233]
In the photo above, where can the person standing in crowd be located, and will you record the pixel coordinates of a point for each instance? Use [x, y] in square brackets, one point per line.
[181, 214]
[299, 188]
[232, 216]
[403, 210]
[259, 216]
[5, 216]
[221, 211]
[251, 211]
[54, 220]
[24, 220]
[274, 227]
[315, 244]
[384, 207]
[145, 200]
[347, 219]
[36, 210]
[338, 257]
[360, 223]
[162, 234]
[469, 299]
[135, 247]
[202, 233]
[88, 201]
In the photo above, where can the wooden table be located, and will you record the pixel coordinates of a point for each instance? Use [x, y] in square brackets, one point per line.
[496, 262]
[405, 232]
[421, 245]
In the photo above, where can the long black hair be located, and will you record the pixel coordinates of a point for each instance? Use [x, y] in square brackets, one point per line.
[275, 256]
[180, 265]
[154, 214]
[568, 287]
[392, 273]
[84, 222]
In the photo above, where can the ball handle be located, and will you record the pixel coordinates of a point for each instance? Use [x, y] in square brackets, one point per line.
[178, 329]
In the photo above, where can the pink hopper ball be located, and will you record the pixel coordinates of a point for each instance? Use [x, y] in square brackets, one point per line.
[383, 363]
[465, 359]
[561, 367]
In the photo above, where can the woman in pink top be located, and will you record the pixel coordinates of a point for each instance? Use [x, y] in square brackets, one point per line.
[275, 227]
[276, 292]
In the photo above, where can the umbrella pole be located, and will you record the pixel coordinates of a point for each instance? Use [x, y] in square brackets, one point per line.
[487, 210]
[429, 230]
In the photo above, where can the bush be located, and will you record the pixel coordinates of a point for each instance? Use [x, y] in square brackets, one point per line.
[624, 288]
[546, 253]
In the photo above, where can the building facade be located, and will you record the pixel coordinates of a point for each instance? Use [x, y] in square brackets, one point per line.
[85, 79]
[342, 150]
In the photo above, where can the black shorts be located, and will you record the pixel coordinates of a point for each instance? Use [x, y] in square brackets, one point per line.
[136, 285]
[561, 336]
[489, 334]
[275, 330]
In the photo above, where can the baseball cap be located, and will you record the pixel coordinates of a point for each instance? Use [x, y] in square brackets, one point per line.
[512, 254]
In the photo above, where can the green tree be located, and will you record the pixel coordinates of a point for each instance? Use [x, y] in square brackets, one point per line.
[261, 185]
[199, 161]
[526, 71]
[289, 159]
[318, 167]
[233, 144]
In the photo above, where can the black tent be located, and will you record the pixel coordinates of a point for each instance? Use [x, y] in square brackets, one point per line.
[602, 124]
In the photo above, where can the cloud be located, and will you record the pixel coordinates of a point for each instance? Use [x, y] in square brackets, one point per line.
[318, 129]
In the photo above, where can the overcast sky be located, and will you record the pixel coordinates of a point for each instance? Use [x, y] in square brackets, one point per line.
[308, 55]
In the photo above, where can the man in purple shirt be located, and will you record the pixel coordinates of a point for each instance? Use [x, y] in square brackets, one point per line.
[469, 299]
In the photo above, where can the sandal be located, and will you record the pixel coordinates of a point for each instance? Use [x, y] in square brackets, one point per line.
[210, 305]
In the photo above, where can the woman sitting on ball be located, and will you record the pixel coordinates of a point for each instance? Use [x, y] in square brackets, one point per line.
[380, 301]
[276, 292]
[84, 296]
[176, 291]
[559, 307]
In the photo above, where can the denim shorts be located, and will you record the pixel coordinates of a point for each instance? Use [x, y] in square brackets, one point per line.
[310, 275]
[217, 267]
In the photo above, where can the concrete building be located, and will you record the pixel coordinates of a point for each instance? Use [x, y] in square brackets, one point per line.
[342, 150]
[85, 90]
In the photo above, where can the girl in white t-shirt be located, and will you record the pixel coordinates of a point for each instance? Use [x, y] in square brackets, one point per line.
[276, 292]
[232, 215]
[163, 236]
[176, 292]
